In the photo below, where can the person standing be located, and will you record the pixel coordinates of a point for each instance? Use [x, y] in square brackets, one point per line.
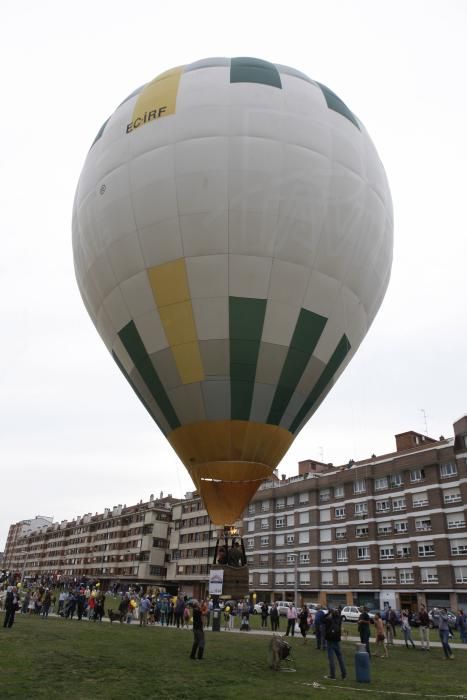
[406, 629]
[46, 603]
[291, 619]
[364, 622]
[274, 615]
[11, 606]
[303, 622]
[198, 632]
[332, 634]
[444, 633]
[380, 638]
[320, 628]
[424, 628]
[264, 615]
[461, 626]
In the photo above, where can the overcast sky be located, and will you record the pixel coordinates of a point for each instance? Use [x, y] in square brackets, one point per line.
[73, 436]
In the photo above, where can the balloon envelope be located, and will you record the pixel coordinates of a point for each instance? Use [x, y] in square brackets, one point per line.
[232, 236]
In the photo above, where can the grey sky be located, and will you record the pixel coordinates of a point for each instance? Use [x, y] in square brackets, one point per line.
[73, 437]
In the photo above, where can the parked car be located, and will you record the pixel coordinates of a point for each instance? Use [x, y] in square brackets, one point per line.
[353, 612]
[257, 608]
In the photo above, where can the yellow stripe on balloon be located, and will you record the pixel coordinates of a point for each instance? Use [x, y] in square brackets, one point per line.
[158, 98]
[169, 284]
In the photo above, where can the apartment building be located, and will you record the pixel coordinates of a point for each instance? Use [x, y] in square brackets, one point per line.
[126, 544]
[390, 529]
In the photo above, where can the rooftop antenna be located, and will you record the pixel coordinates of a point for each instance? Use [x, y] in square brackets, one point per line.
[424, 419]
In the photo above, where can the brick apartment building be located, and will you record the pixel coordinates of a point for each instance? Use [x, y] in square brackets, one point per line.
[391, 528]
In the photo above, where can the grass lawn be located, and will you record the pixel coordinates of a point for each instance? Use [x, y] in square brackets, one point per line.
[73, 660]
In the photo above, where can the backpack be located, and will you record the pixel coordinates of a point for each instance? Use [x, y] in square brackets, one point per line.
[333, 629]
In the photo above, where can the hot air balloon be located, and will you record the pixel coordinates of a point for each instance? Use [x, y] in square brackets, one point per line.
[232, 237]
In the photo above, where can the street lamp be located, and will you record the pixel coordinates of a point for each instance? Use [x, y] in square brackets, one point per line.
[295, 558]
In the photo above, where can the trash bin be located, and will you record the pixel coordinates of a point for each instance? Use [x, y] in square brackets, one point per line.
[362, 664]
[216, 620]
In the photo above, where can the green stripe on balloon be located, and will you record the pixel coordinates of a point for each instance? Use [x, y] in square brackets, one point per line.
[137, 392]
[134, 346]
[327, 374]
[307, 332]
[335, 103]
[254, 70]
[246, 319]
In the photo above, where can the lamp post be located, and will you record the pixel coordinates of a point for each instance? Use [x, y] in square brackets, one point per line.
[295, 557]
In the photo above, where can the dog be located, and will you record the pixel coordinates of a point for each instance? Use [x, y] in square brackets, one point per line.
[115, 616]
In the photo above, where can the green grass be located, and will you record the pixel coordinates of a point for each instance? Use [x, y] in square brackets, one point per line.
[58, 658]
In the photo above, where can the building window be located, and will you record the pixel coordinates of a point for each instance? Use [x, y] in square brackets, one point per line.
[326, 578]
[386, 552]
[419, 500]
[264, 541]
[395, 480]
[304, 537]
[382, 506]
[290, 501]
[364, 576]
[452, 495]
[325, 535]
[264, 506]
[398, 504]
[426, 550]
[359, 486]
[361, 510]
[343, 578]
[290, 576]
[290, 520]
[250, 543]
[429, 575]
[251, 508]
[290, 539]
[280, 540]
[340, 513]
[401, 526]
[363, 552]
[265, 523]
[325, 515]
[341, 554]
[361, 531]
[264, 558]
[280, 522]
[263, 579]
[406, 576]
[338, 492]
[280, 503]
[304, 518]
[459, 546]
[417, 475]
[404, 551]
[384, 528]
[448, 469]
[304, 497]
[304, 558]
[279, 578]
[290, 558]
[341, 533]
[423, 524]
[461, 574]
[455, 520]
[388, 576]
[381, 483]
[305, 579]
[324, 495]
[326, 556]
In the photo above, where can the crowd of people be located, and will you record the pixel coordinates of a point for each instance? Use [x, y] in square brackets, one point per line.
[160, 608]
